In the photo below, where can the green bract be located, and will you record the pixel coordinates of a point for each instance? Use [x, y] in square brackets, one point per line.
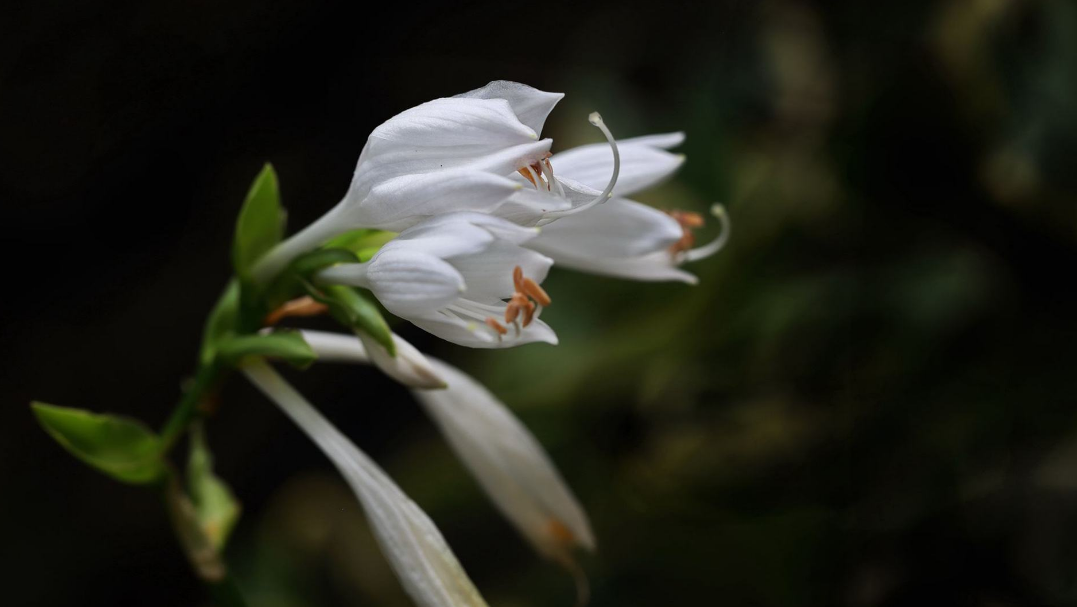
[118, 446]
[260, 225]
[288, 346]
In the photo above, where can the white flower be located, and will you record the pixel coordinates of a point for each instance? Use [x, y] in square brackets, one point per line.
[504, 456]
[451, 275]
[624, 238]
[426, 566]
[463, 153]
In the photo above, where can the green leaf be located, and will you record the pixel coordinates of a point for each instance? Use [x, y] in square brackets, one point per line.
[118, 446]
[358, 311]
[221, 322]
[260, 225]
[285, 345]
[216, 508]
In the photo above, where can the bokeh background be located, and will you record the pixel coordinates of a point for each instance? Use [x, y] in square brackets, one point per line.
[870, 399]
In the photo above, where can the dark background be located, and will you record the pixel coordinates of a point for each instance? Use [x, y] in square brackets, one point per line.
[869, 399]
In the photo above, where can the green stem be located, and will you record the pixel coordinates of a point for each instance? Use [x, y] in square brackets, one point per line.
[204, 382]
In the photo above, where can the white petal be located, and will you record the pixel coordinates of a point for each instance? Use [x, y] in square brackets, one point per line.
[530, 105]
[655, 267]
[508, 462]
[409, 367]
[642, 166]
[423, 562]
[402, 201]
[488, 275]
[474, 334]
[409, 283]
[617, 228]
[661, 140]
[454, 122]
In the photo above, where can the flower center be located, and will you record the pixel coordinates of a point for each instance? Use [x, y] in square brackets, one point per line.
[540, 174]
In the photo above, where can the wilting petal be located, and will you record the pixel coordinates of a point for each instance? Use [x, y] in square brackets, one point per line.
[422, 560]
[530, 105]
[642, 165]
[619, 228]
[408, 367]
[508, 462]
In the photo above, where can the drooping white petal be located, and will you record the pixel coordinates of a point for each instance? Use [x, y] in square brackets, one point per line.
[423, 562]
[642, 165]
[660, 140]
[619, 228]
[409, 367]
[508, 462]
[530, 105]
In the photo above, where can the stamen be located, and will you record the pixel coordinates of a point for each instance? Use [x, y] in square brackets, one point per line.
[715, 245]
[535, 179]
[518, 278]
[302, 306]
[607, 193]
[534, 291]
[496, 326]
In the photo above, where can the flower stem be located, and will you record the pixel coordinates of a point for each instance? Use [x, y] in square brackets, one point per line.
[205, 381]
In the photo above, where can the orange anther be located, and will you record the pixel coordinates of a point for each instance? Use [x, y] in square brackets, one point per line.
[688, 221]
[518, 278]
[529, 313]
[534, 291]
[496, 326]
[512, 311]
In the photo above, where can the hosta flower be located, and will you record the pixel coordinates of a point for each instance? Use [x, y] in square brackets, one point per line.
[463, 277]
[504, 456]
[463, 153]
[624, 238]
[415, 548]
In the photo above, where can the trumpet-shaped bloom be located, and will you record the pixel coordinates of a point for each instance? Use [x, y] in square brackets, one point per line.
[500, 452]
[463, 153]
[459, 276]
[624, 238]
[426, 566]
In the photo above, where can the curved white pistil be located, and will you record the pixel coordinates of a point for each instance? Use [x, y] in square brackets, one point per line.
[713, 246]
[606, 194]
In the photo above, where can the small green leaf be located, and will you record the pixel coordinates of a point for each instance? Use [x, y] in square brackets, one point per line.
[215, 506]
[285, 345]
[221, 321]
[358, 311]
[118, 446]
[260, 225]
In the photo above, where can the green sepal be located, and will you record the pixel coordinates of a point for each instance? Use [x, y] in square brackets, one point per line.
[260, 225]
[289, 283]
[221, 322]
[288, 346]
[120, 447]
[216, 507]
[357, 311]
